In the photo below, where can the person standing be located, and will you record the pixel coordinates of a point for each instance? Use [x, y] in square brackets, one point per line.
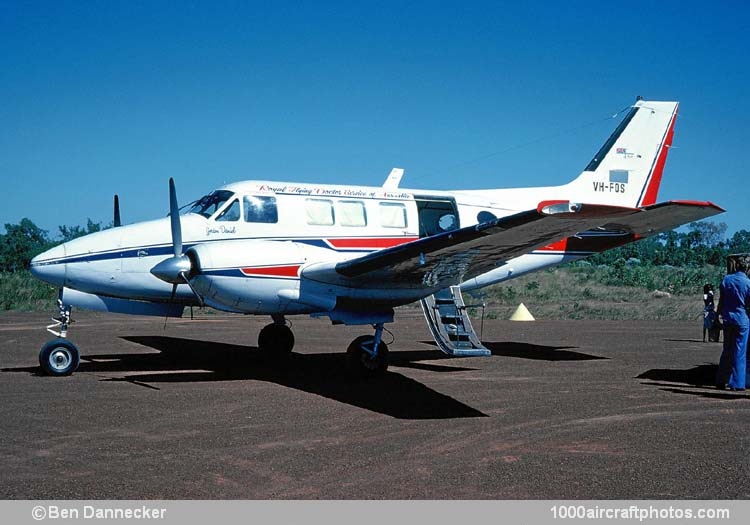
[709, 314]
[733, 303]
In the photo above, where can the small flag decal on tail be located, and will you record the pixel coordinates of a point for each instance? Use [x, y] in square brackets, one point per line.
[625, 153]
[618, 175]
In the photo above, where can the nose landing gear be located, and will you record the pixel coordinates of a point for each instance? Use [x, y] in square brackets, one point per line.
[59, 357]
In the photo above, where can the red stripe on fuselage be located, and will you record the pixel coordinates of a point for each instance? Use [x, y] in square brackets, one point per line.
[273, 271]
[653, 185]
[369, 243]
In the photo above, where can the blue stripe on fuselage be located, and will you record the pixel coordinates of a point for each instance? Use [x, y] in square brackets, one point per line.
[129, 253]
[166, 249]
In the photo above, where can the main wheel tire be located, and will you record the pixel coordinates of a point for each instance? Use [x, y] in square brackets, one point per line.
[276, 340]
[59, 357]
[360, 363]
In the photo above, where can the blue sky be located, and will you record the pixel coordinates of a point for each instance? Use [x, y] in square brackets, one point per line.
[98, 98]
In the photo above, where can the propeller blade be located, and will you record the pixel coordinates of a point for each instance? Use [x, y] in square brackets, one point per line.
[171, 298]
[169, 270]
[117, 223]
[196, 294]
[174, 215]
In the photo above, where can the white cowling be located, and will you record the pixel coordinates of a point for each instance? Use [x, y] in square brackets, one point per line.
[254, 276]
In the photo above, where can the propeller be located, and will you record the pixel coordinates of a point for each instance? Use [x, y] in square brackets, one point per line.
[176, 269]
[117, 223]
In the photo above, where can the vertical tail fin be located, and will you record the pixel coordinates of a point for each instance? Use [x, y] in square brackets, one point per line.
[628, 168]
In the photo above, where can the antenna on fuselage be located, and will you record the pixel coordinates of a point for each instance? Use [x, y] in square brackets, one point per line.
[394, 179]
[117, 223]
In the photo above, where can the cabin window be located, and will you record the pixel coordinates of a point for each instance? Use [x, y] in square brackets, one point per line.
[211, 203]
[231, 212]
[485, 216]
[352, 213]
[392, 215]
[447, 222]
[319, 212]
[261, 209]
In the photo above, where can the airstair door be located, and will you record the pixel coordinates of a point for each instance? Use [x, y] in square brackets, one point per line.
[449, 323]
[436, 215]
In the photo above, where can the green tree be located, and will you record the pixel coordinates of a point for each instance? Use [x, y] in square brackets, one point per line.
[68, 233]
[21, 243]
[740, 242]
[707, 233]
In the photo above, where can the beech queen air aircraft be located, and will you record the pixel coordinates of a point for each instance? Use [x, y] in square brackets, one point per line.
[353, 253]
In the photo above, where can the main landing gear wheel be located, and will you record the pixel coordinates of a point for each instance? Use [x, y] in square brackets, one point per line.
[276, 340]
[360, 359]
[59, 357]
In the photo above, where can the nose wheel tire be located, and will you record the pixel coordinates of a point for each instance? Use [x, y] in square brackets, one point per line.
[276, 340]
[360, 361]
[59, 357]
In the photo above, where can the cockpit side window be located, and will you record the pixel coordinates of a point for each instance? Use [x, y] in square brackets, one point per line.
[261, 209]
[231, 212]
[211, 203]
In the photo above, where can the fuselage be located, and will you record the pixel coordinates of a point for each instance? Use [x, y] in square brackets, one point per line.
[295, 225]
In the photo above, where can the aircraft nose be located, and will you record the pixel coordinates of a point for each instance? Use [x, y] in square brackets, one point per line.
[50, 266]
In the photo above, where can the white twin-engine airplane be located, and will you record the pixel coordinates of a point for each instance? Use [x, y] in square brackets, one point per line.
[353, 253]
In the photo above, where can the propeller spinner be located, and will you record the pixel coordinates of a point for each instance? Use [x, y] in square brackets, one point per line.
[176, 269]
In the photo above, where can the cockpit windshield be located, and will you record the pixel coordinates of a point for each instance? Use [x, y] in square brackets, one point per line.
[209, 204]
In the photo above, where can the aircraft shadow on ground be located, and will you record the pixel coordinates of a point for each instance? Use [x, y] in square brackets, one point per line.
[187, 360]
[701, 376]
[537, 352]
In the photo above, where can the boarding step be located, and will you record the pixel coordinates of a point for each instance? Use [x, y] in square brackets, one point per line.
[448, 320]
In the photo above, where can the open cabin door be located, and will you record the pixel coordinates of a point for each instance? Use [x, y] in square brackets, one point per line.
[436, 214]
[445, 312]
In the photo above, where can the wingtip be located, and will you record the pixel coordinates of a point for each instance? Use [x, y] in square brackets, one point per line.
[698, 204]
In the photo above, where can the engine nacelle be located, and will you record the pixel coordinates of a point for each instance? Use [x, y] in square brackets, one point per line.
[253, 276]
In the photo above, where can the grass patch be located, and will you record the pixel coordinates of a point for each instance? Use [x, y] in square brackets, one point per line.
[21, 292]
[616, 292]
[579, 291]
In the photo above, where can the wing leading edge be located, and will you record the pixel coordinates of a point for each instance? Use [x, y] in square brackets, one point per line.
[453, 257]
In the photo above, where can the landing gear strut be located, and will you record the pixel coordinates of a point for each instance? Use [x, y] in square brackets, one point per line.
[367, 356]
[59, 357]
[276, 339]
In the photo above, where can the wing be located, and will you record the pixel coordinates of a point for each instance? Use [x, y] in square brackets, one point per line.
[452, 257]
